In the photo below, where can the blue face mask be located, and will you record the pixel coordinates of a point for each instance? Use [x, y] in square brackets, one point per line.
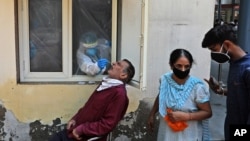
[220, 57]
[92, 52]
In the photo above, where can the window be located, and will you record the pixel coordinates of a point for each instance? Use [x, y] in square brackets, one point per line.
[53, 33]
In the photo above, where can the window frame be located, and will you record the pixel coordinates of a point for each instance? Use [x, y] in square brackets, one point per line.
[66, 74]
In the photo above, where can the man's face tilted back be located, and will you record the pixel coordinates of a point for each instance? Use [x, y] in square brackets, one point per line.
[116, 70]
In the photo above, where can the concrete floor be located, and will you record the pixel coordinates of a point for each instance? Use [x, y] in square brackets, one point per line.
[218, 104]
[216, 122]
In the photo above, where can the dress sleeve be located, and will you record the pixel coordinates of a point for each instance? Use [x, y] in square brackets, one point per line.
[86, 64]
[202, 94]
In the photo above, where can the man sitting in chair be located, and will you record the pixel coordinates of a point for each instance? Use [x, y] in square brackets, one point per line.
[104, 109]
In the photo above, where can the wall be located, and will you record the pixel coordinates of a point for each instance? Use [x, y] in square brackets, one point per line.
[34, 112]
[171, 24]
[177, 24]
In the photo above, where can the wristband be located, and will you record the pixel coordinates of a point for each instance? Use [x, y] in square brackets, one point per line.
[222, 89]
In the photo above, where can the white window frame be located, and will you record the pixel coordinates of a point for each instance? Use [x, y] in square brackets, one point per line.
[66, 74]
[134, 41]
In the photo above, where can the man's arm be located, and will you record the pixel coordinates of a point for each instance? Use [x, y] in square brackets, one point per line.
[86, 65]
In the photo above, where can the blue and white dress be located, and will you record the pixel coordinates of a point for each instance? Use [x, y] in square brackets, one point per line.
[182, 98]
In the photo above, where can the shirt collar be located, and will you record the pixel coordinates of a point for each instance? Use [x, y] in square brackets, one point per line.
[108, 82]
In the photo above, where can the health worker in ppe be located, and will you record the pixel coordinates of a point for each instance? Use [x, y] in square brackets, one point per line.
[93, 54]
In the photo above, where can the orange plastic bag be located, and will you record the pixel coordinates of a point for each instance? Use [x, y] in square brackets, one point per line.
[175, 126]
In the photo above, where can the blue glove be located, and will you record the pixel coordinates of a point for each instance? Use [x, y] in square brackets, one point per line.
[102, 63]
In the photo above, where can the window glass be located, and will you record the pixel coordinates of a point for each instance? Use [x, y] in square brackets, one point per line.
[73, 40]
[45, 35]
[91, 31]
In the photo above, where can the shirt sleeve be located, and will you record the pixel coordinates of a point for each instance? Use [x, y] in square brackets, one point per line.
[202, 94]
[112, 115]
[86, 64]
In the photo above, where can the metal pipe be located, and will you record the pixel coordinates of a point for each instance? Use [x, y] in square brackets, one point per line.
[219, 72]
[219, 11]
[244, 25]
[232, 14]
[219, 18]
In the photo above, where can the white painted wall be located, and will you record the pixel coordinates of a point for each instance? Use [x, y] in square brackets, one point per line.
[171, 24]
[177, 24]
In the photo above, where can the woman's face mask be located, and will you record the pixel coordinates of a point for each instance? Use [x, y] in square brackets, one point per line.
[220, 57]
[181, 74]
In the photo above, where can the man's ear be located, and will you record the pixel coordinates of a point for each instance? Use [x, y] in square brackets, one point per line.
[227, 44]
[123, 76]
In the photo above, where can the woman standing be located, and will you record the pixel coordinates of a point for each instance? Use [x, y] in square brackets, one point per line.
[183, 103]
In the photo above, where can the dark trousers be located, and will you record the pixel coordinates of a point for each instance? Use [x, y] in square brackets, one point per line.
[61, 136]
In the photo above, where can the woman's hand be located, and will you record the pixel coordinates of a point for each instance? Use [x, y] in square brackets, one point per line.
[175, 116]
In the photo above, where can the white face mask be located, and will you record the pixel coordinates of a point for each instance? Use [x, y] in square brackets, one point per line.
[219, 56]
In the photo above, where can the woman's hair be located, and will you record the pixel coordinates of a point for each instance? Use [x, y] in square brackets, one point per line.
[130, 70]
[219, 34]
[177, 53]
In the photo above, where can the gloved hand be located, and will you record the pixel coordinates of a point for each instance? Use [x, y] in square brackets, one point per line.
[102, 63]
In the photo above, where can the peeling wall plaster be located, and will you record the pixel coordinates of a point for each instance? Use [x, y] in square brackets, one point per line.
[31, 102]
[131, 128]
[134, 125]
[35, 112]
[45, 102]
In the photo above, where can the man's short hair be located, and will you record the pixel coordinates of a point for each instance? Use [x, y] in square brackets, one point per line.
[130, 70]
[219, 34]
